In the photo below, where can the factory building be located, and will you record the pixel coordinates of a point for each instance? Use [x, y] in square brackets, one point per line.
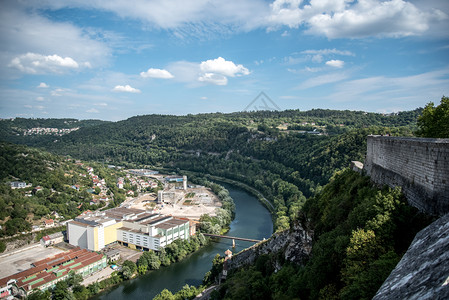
[47, 272]
[131, 227]
[152, 232]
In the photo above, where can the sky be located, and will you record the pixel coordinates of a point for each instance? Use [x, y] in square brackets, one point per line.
[115, 59]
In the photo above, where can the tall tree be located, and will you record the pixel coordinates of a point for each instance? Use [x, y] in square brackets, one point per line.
[434, 121]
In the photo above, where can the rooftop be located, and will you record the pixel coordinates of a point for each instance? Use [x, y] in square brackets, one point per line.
[52, 268]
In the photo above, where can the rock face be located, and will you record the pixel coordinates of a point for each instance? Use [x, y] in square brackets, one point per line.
[295, 245]
[423, 272]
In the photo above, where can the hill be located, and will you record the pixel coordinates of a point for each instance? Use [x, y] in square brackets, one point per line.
[286, 155]
[56, 187]
[360, 234]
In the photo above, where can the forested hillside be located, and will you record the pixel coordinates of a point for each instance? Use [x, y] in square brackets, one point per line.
[286, 155]
[360, 234]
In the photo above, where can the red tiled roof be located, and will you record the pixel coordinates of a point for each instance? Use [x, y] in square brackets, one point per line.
[41, 270]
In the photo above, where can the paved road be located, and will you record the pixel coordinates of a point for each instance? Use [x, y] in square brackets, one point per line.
[205, 295]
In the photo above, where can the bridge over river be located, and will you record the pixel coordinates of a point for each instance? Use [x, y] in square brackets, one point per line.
[232, 238]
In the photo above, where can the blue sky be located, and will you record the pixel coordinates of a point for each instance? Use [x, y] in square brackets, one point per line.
[115, 59]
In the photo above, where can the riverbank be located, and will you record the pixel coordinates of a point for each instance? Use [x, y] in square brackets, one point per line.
[252, 220]
[239, 184]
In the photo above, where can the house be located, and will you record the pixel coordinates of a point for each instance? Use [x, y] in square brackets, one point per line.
[45, 241]
[18, 184]
[112, 255]
[49, 223]
[52, 239]
[37, 189]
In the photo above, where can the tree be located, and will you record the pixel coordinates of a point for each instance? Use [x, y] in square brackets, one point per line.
[74, 279]
[164, 295]
[37, 294]
[126, 271]
[97, 190]
[434, 121]
[61, 291]
[142, 269]
[132, 266]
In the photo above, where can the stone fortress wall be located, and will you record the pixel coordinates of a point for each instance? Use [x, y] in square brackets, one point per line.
[419, 165]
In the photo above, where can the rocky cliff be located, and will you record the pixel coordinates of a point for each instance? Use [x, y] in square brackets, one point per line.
[423, 272]
[295, 245]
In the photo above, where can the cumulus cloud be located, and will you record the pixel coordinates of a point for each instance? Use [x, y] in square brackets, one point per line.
[125, 88]
[54, 47]
[32, 63]
[223, 67]
[335, 63]
[43, 85]
[354, 19]
[212, 71]
[156, 73]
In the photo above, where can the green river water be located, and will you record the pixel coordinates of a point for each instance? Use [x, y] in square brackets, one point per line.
[252, 220]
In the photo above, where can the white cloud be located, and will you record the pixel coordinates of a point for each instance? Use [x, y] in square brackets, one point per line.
[40, 98]
[43, 85]
[32, 63]
[331, 18]
[27, 37]
[335, 63]
[93, 110]
[223, 67]
[125, 88]
[354, 19]
[187, 15]
[156, 73]
[213, 71]
[213, 78]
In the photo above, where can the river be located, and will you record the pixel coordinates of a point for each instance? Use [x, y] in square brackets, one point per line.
[252, 220]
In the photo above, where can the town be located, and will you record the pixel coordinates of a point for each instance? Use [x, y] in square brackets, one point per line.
[158, 210]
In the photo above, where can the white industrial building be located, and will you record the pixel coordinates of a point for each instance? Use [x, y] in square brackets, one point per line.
[134, 228]
[152, 231]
